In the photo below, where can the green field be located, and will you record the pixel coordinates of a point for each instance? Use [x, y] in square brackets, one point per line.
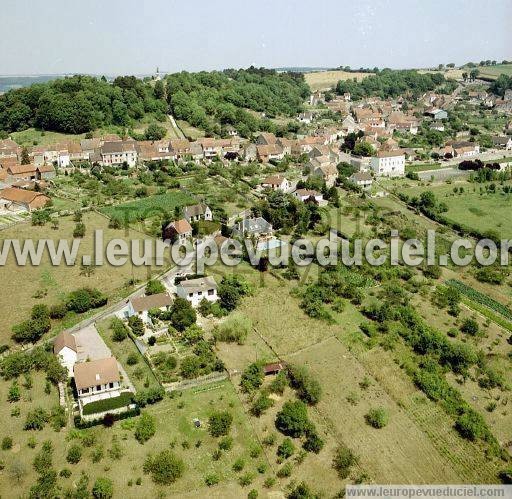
[142, 209]
[472, 209]
[495, 71]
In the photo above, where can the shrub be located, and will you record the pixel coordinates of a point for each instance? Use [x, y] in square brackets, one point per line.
[279, 383]
[119, 330]
[238, 465]
[104, 405]
[36, 419]
[58, 311]
[469, 326]
[286, 448]
[313, 442]
[165, 467]
[6, 443]
[211, 479]
[14, 392]
[343, 461]
[74, 454]
[308, 388]
[65, 473]
[145, 428]
[182, 314]
[246, 479]
[136, 325]
[103, 488]
[234, 329]
[154, 287]
[132, 359]
[219, 423]
[226, 443]
[85, 299]
[378, 418]
[285, 471]
[262, 403]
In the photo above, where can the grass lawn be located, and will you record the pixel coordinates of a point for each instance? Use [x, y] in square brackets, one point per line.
[424, 167]
[21, 284]
[31, 137]
[144, 208]
[190, 132]
[326, 79]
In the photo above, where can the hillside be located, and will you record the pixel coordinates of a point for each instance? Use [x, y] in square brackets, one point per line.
[321, 80]
[212, 100]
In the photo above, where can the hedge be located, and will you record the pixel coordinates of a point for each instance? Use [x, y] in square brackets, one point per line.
[478, 297]
[83, 424]
[104, 405]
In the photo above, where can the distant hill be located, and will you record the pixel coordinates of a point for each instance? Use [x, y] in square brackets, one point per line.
[12, 82]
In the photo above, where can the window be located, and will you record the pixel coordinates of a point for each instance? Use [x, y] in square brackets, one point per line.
[211, 292]
[85, 390]
[98, 388]
[111, 385]
[199, 293]
[190, 295]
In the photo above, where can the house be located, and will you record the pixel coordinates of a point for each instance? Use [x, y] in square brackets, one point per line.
[307, 194]
[329, 173]
[276, 183]
[367, 116]
[64, 347]
[465, 149]
[14, 199]
[142, 305]
[117, 153]
[21, 172]
[274, 368]
[437, 125]
[195, 290]
[306, 117]
[436, 114]
[269, 153]
[388, 164]
[361, 179]
[89, 146]
[45, 172]
[95, 379]
[180, 231]
[266, 139]
[253, 227]
[197, 212]
[502, 142]
[9, 149]
[316, 98]
[349, 125]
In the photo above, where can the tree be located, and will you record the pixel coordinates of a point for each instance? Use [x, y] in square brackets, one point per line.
[36, 419]
[308, 388]
[103, 488]
[25, 158]
[79, 230]
[252, 377]
[154, 287]
[145, 427]
[286, 448]
[363, 148]
[155, 132]
[137, 325]
[219, 423]
[165, 468]
[292, 419]
[119, 330]
[182, 314]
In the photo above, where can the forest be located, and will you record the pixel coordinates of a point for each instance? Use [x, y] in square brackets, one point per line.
[80, 104]
[212, 100]
[392, 83]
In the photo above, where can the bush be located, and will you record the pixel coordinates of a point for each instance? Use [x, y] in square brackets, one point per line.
[219, 423]
[231, 290]
[145, 428]
[6, 443]
[65, 473]
[182, 314]
[211, 479]
[58, 311]
[472, 426]
[103, 488]
[262, 403]
[378, 418]
[85, 299]
[343, 461]
[119, 330]
[136, 325]
[132, 359]
[286, 449]
[469, 326]
[154, 287]
[226, 443]
[36, 419]
[74, 454]
[313, 442]
[14, 392]
[238, 465]
[165, 467]
[285, 471]
[234, 329]
[308, 388]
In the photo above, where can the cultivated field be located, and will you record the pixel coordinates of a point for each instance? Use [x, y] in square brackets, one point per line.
[495, 71]
[322, 80]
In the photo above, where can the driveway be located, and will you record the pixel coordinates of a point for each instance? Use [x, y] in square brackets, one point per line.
[90, 345]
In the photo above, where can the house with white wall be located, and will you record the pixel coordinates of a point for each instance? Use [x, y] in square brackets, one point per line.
[97, 379]
[388, 164]
[64, 347]
[195, 290]
[142, 305]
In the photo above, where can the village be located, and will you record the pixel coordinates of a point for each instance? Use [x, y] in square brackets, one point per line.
[230, 378]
